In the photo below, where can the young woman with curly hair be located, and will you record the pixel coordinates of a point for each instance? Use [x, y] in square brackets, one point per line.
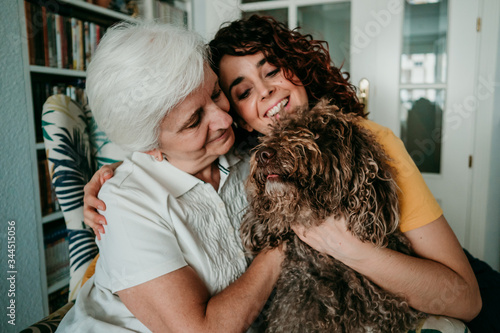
[265, 68]
[294, 53]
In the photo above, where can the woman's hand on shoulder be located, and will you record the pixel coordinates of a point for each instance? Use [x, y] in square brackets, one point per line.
[90, 201]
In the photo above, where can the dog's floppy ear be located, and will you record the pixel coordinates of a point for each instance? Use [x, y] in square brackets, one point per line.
[256, 235]
[321, 117]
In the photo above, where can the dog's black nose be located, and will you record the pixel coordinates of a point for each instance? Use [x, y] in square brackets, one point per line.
[265, 155]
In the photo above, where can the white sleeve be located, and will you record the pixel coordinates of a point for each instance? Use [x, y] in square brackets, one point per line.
[139, 243]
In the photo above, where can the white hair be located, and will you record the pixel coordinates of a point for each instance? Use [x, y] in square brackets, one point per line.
[139, 73]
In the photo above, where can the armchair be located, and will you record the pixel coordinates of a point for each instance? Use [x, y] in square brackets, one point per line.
[75, 149]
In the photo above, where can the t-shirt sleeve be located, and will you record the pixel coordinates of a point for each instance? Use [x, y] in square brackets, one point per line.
[417, 204]
[139, 243]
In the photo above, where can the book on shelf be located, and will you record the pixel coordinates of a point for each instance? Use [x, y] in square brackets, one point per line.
[51, 40]
[167, 13]
[127, 7]
[57, 24]
[45, 36]
[47, 193]
[58, 41]
[42, 87]
[81, 47]
[56, 251]
[29, 32]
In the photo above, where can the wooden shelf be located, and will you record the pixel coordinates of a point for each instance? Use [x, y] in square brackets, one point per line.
[81, 4]
[83, 10]
[52, 217]
[56, 71]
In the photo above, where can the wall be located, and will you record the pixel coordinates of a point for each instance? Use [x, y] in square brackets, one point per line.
[492, 241]
[17, 180]
[209, 15]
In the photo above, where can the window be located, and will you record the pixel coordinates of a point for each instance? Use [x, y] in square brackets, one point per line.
[328, 20]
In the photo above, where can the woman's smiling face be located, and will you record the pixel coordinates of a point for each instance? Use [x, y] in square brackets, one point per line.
[197, 131]
[258, 90]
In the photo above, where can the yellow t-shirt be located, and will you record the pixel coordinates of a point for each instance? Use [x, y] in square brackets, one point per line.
[417, 204]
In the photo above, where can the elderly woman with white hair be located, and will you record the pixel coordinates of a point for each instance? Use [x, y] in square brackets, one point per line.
[172, 259]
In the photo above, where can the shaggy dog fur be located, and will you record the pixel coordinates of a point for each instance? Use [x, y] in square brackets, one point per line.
[317, 163]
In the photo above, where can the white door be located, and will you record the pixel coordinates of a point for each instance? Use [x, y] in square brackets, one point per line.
[436, 86]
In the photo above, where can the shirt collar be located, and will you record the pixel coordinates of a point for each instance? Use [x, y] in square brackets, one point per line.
[174, 180]
[229, 159]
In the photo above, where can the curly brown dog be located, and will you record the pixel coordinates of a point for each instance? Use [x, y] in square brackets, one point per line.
[317, 163]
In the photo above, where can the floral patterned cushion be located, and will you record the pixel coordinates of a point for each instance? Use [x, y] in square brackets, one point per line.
[75, 149]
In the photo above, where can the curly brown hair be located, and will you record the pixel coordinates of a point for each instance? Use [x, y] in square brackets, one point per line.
[292, 51]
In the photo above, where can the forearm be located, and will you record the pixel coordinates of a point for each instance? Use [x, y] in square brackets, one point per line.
[439, 281]
[428, 286]
[236, 307]
[180, 302]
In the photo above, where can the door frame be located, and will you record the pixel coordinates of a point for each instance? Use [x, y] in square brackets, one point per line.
[484, 232]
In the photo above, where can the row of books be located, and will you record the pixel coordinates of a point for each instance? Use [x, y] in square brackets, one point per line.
[59, 41]
[128, 7]
[43, 87]
[56, 251]
[167, 13]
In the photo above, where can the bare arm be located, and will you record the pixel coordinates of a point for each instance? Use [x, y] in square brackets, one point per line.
[440, 281]
[179, 301]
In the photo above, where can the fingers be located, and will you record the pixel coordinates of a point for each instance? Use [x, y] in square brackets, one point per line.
[90, 200]
[97, 234]
[91, 203]
[93, 219]
[92, 188]
[106, 172]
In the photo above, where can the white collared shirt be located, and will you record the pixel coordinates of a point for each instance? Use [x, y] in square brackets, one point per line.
[159, 220]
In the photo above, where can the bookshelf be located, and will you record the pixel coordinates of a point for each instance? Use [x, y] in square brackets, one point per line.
[60, 39]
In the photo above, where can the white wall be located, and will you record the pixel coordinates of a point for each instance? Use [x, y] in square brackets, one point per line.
[209, 15]
[18, 199]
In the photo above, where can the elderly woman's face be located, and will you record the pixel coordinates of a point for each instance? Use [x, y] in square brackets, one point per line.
[198, 131]
[258, 90]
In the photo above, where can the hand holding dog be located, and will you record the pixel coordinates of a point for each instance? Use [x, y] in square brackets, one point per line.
[333, 238]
